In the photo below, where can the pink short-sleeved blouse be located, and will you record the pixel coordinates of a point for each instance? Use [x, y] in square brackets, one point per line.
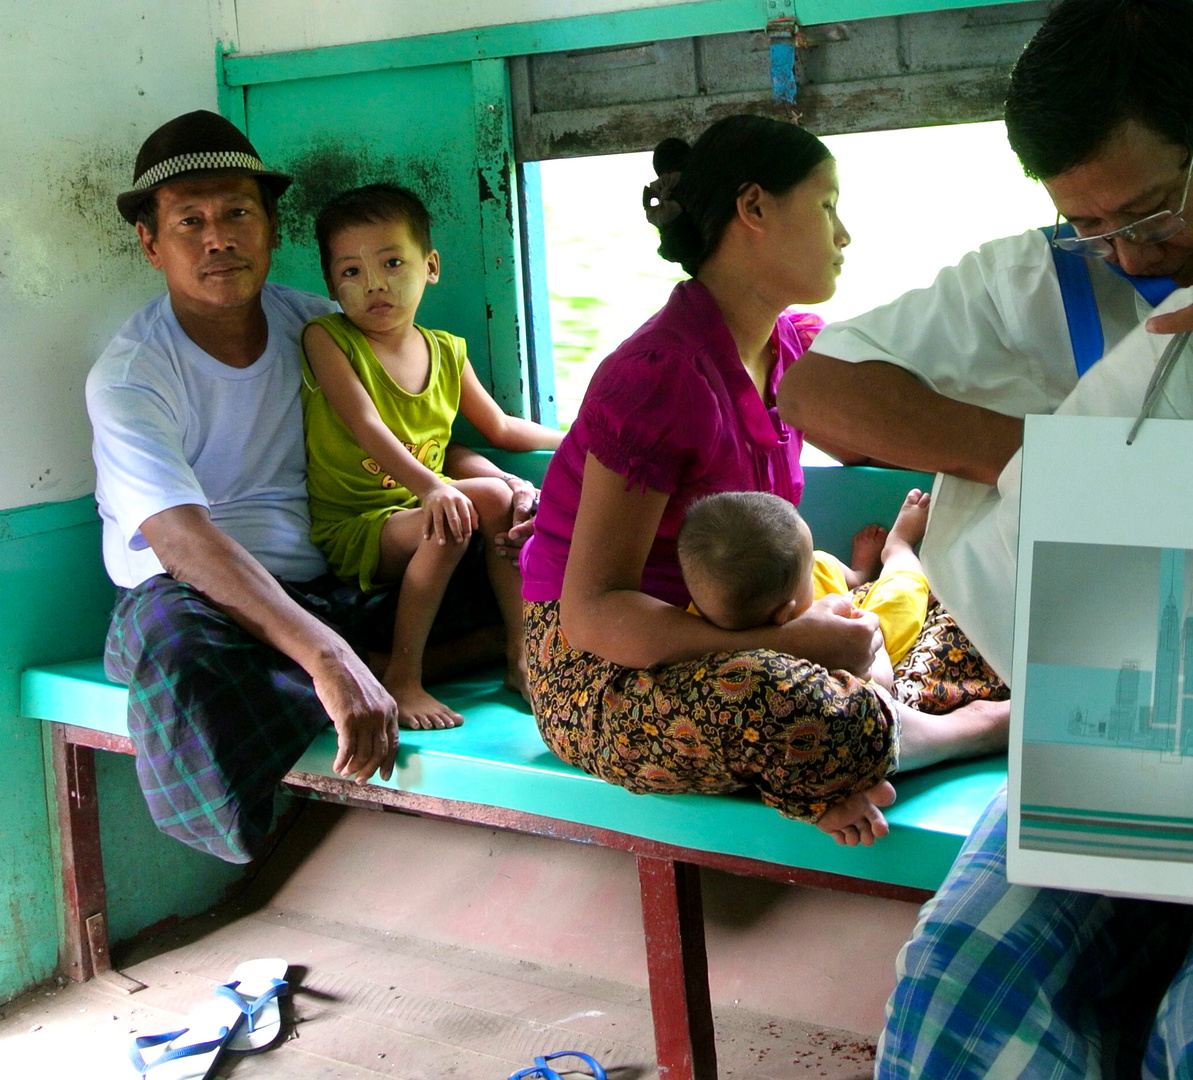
[672, 409]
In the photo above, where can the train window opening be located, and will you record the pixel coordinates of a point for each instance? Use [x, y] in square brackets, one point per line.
[914, 200]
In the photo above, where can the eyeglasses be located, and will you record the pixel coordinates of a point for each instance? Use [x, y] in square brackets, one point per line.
[1153, 229]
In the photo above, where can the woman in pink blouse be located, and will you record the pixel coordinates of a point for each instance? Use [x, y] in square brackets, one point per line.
[625, 683]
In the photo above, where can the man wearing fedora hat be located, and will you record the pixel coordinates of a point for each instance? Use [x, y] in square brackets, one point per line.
[236, 644]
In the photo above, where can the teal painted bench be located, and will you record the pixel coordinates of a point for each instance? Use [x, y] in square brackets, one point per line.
[495, 771]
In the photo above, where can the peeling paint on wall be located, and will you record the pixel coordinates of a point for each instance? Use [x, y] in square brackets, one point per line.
[59, 225]
[326, 170]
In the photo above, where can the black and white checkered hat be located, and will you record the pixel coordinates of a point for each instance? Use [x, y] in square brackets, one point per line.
[192, 146]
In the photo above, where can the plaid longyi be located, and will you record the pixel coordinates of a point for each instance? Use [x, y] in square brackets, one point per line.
[217, 716]
[1008, 981]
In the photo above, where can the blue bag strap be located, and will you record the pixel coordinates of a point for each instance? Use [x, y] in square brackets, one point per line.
[1155, 290]
[1081, 309]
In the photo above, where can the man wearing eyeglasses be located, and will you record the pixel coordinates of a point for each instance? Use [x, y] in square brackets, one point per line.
[1003, 980]
[1100, 109]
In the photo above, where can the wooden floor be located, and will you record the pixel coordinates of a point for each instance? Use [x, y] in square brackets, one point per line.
[423, 950]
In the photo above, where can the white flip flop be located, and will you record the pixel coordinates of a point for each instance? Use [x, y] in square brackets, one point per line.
[252, 995]
[192, 1052]
[243, 1017]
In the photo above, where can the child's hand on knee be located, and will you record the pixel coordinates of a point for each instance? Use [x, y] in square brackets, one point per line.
[858, 819]
[448, 515]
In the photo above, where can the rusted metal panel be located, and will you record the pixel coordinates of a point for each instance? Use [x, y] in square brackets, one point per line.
[900, 71]
[500, 239]
[83, 891]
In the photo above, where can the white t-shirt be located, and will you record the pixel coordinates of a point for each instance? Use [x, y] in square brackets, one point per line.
[175, 427]
[990, 331]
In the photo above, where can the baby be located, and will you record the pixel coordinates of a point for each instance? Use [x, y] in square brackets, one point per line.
[747, 559]
[380, 394]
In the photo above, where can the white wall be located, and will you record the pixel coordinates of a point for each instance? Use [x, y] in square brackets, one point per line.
[82, 82]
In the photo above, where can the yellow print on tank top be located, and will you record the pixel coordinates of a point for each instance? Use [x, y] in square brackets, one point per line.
[424, 455]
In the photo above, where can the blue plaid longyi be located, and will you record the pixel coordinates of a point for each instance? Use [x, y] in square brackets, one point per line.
[1008, 981]
[219, 717]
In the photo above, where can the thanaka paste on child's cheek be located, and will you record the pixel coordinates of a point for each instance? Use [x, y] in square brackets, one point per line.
[355, 294]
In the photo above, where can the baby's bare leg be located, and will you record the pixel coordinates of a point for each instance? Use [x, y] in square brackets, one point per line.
[424, 578]
[970, 731]
[493, 500]
[908, 530]
[882, 671]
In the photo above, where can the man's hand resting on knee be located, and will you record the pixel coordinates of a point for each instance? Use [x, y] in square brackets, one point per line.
[364, 715]
[195, 551]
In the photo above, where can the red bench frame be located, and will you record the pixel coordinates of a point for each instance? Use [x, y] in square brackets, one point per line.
[668, 877]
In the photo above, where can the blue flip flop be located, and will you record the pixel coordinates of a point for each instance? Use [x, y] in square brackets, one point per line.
[541, 1069]
[243, 1017]
[190, 1053]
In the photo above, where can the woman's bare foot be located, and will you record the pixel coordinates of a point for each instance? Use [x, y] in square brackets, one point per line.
[418, 711]
[867, 551]
[517, 678]
[910, 523]
[519, 683]
[858, 819]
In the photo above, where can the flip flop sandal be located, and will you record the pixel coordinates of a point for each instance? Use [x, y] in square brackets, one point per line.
[243, 1017]
[253, 991]
[190, 1053]
[541, 1069]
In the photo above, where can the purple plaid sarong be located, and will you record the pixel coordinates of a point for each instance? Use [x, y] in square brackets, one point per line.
[219, 717]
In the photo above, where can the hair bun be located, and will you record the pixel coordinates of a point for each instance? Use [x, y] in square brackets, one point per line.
[670, 156]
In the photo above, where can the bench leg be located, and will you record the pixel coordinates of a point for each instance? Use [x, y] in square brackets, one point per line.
[84, 953]
[673, 919]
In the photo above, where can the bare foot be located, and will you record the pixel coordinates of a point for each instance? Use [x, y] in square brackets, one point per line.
[518, 680]
[867, 551]
[910, 523]
[418, 711]
[858, 819]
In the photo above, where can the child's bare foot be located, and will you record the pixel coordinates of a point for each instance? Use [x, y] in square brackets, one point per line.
[910, 523]
[418, 711]
[858, 819]
[867, 551]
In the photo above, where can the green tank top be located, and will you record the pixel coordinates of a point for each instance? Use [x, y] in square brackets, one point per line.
[342, 480]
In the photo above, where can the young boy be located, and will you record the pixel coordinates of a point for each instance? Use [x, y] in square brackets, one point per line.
[747, 559]
[380, 394]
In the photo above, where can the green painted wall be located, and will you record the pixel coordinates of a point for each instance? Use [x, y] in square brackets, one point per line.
[443, 131]
[54, 604]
